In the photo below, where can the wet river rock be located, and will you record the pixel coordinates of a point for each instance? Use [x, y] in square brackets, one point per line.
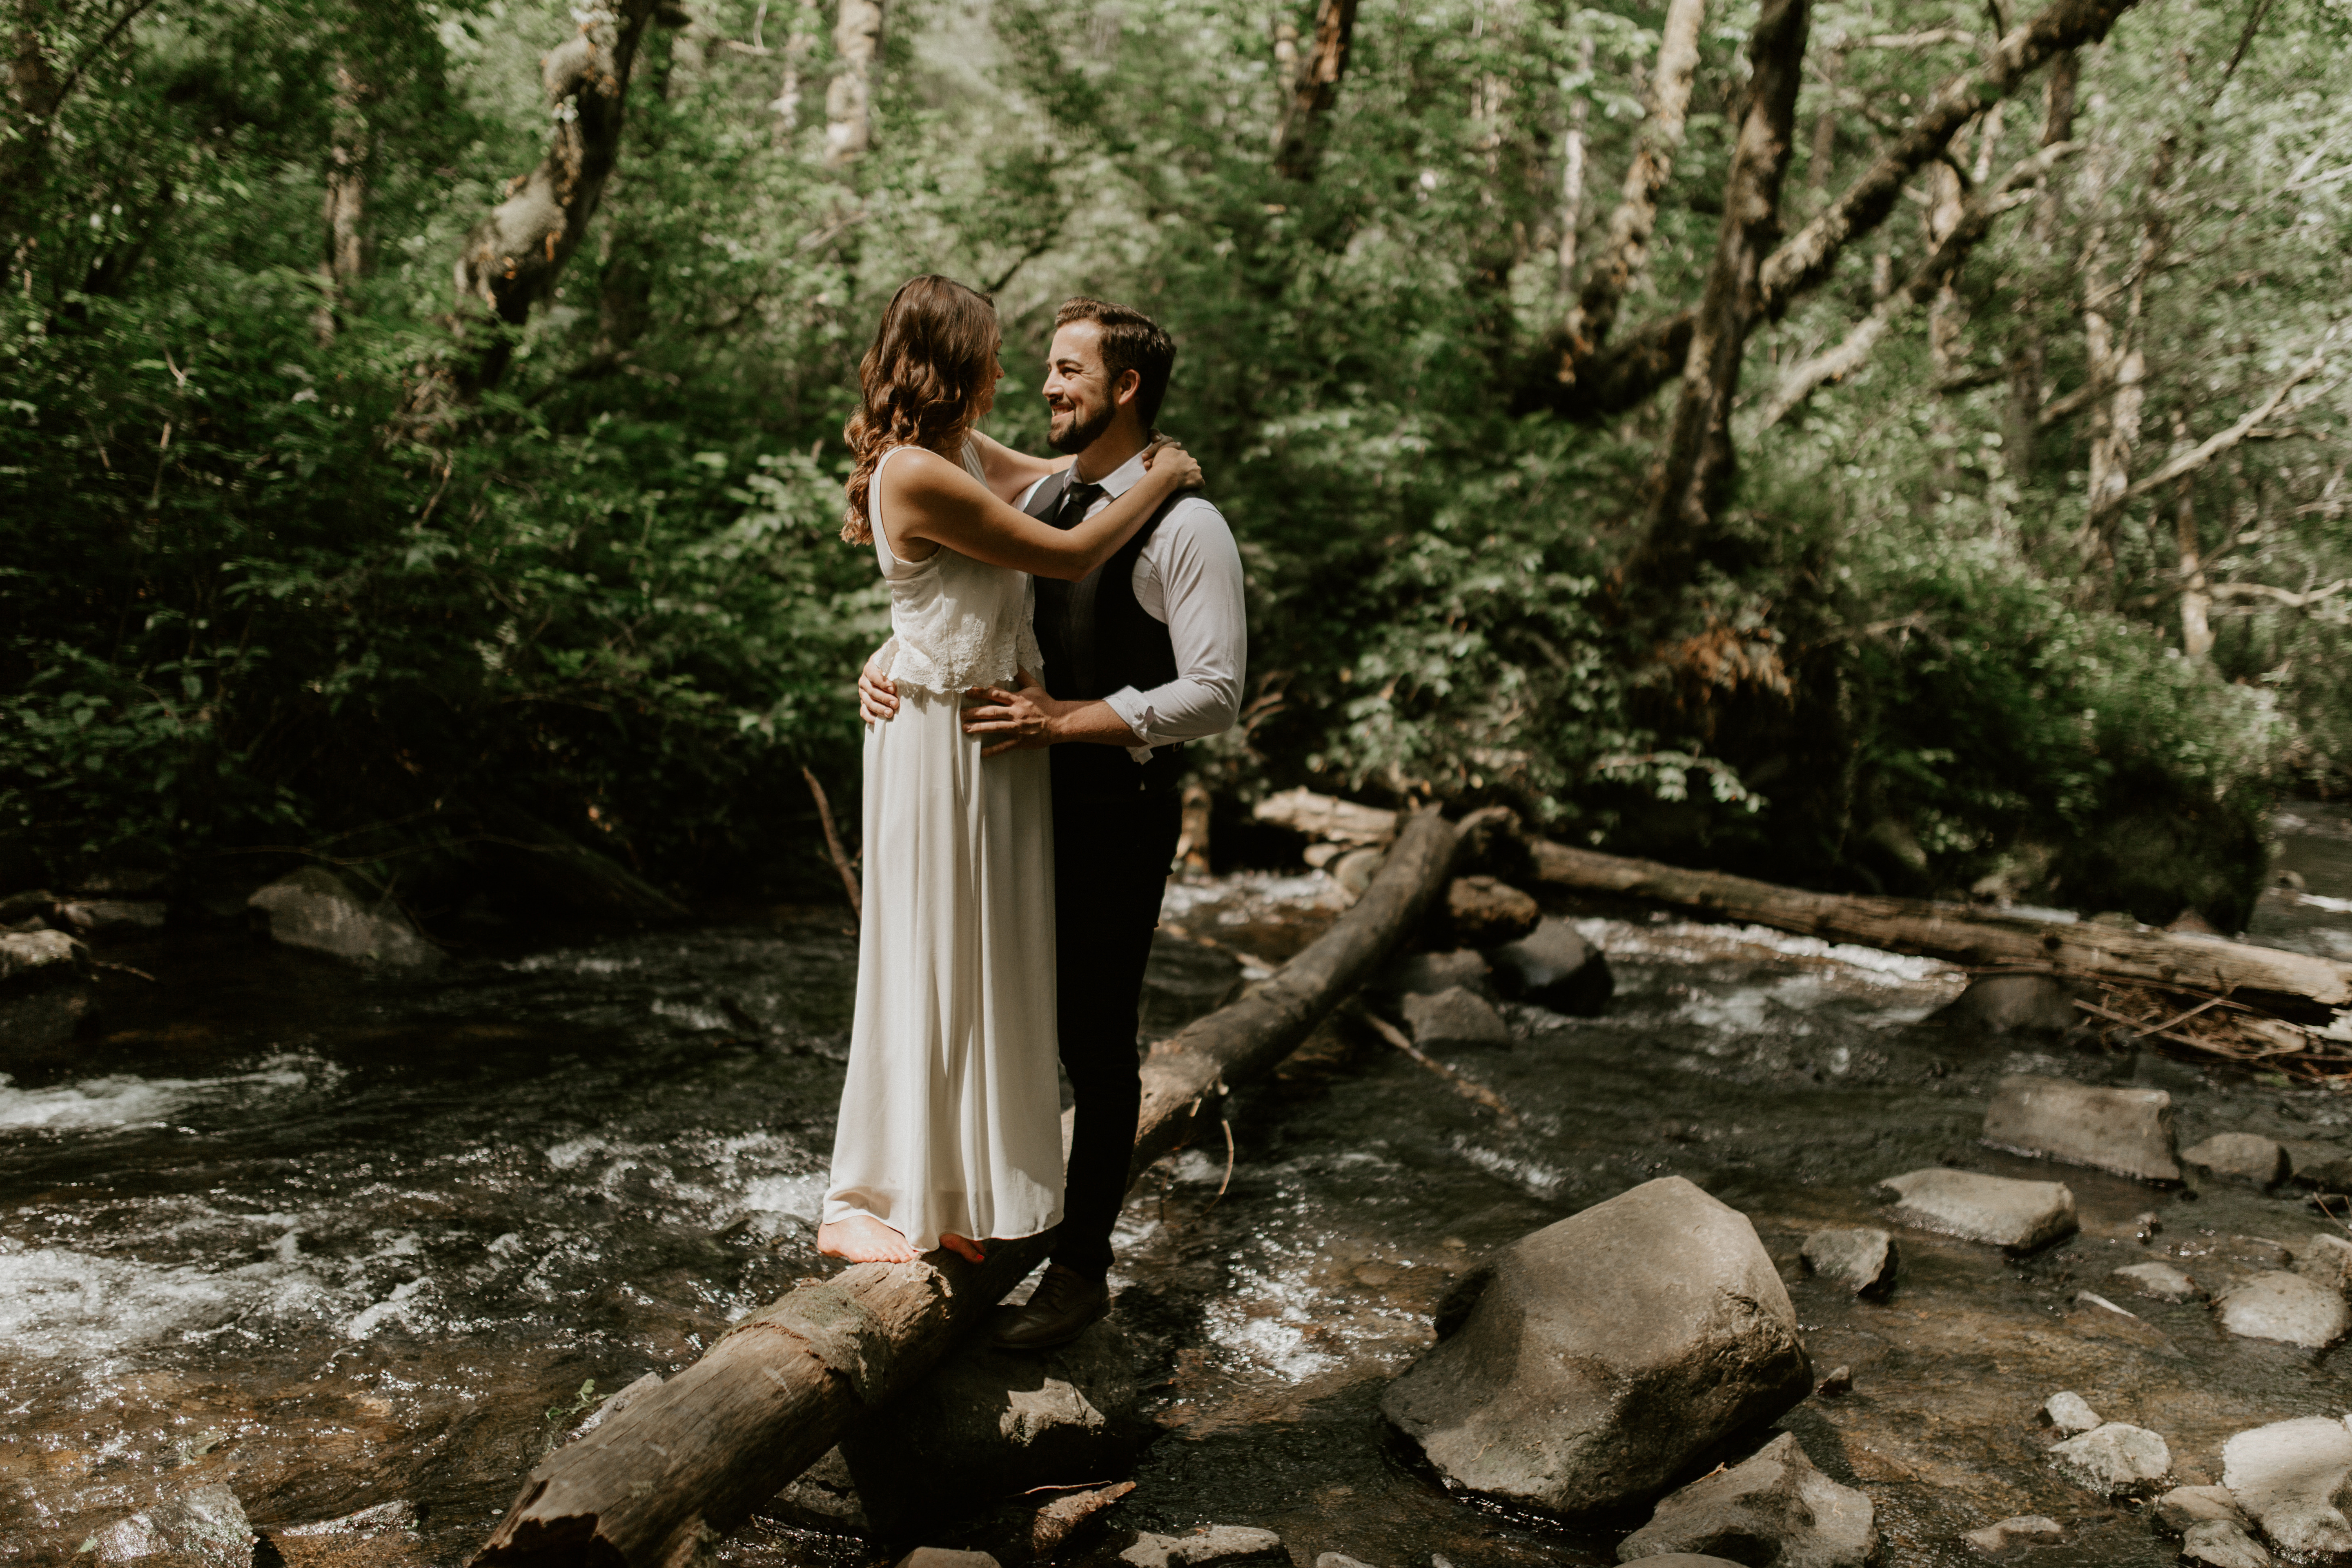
[2014, 1004]
[203, 1525]
[1481, 912]
[1863, 1260]
[2242, 1156]
[315, 910]
[2019, 1216]
[2217, 1544]
[2003, 1533]
[1584, 1366]
[1555, 967]
[2158, 1282]
[1209, 1544]
[2070, 1414]
[984, 1424]
[1454, 1017]
[2285, 1307]
[2327, 1258]
[2290, 1477]
[1427, 974]
[1775, 1499]
[2126, 1130]
[44, 992]
[2211, 1528]
[2115, 1459]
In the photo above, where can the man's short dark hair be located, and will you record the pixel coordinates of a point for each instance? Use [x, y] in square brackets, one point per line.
[1131, 340]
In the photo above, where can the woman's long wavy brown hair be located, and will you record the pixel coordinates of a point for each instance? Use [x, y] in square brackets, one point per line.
[926, 377]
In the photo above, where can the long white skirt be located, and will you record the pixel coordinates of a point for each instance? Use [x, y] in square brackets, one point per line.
[951, 1116]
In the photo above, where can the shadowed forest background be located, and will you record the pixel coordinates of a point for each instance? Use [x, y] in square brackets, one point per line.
[1892, 447]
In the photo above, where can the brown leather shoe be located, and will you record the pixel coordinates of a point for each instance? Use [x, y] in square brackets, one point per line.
[1064, 1302]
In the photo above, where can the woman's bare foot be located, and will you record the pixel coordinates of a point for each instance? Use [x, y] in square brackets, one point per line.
[862, 1238]
[963, 1247]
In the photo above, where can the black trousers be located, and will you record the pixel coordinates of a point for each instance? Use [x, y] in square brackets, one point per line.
[1111, 854]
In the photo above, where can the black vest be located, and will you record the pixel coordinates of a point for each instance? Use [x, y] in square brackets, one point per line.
[1096, 639]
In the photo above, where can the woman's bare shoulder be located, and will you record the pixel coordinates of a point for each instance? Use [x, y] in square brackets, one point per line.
[924, 472]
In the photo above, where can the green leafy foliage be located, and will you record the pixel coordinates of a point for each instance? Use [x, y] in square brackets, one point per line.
[265, 585]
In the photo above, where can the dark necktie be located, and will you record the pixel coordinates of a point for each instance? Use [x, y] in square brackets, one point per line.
[1075, 502]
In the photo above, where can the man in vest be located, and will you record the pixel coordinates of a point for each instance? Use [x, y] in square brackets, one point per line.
[1144, 654]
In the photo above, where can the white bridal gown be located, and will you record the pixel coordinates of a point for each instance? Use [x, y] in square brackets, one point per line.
[951, 1118]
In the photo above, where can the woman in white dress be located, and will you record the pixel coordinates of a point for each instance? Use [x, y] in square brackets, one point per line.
[951, 1127]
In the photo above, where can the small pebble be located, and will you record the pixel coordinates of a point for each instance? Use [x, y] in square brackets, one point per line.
[1838, 1383]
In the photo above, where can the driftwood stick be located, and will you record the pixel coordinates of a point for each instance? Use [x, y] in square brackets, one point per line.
[833, 843]
[656, 1484]
[1465, 1086]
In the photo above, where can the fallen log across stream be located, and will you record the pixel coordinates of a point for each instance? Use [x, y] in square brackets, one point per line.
[1957, 933]
[1962, 933]
[685, 1463]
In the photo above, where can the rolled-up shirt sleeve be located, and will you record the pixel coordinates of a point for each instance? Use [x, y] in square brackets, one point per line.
[1190, 578]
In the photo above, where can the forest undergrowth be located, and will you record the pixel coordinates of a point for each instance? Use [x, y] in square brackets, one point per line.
[2007, 558]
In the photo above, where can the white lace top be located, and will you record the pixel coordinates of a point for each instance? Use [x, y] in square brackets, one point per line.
[955, 623]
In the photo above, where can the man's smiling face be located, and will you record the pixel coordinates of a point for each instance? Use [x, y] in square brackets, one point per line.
[1078, 394]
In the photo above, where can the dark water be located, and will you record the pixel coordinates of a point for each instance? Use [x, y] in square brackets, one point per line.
[337, 1242]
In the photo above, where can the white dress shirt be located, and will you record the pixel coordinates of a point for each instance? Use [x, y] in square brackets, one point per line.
[1188, 578]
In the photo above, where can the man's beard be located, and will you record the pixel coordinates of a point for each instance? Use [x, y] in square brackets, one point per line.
[1083, 431]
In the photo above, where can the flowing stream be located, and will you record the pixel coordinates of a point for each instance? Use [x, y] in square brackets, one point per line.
[337, 1242]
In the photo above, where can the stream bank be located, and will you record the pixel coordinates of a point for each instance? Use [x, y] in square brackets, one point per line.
[337, 1244]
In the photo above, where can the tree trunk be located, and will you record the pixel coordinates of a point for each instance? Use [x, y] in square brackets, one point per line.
[799, 42]
[32, 102]
[1623, 378]
[2029, 357]
[1695, 476]
[849, 102]
[513, 258]
[2196, 602]
[1959, 933]
[342, 204]
[1573, 150]
[1298, 140]
[676, 1469]
[1625, 255]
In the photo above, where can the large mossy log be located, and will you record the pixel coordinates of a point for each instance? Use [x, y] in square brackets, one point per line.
[685, 1464]
[1961, 933]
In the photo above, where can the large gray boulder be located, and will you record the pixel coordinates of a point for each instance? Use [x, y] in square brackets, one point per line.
[2018, 1217]
[1583, 1367]
[1775, 1501]
[44, 992]
[315, 910]
[2126, 1131]
[2291, 1478]
[1555, 967]
[986, 1424]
